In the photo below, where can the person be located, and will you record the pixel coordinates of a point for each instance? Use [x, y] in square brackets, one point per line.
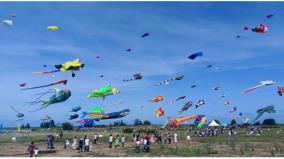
[49, 142]
[91, 147]
[134, 137]
[110, 140]
[87, 144]
[31, 149]
[116, 141]
[137, 146]
[36, 152]
[61, 134]
[175, 138]
[152, 139]
[95, 138]
[74, 144]
[165, 138]
[81, 145]
[122, 140]
[188, 138]
[145, 144]
[169, 138]
[66, 143]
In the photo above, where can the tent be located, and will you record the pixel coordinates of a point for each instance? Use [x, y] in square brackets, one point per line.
[213, 123]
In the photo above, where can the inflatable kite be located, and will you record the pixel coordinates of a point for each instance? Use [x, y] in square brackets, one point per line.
[52, 28]
[13, 15]
[269, 16]
[197, 54]
[216, 88]
[260, 29]
[8, 23]
[200, 102]
[176, 121]
[103, 92]
[160, 112]
[185, 107]
[200, 121]
[193, 86]
[72, 66]
[145, 34]
[136, 76]
[263, 83]
[23, 84]
[280, 91]
[227, 102]
[52, 84]
[98, 114]
[57, 97]
[268, 109]
[157, 99]
[20, 116]
[128, 50]
[246, 27]
[177, 78]
[74, 116]
[76, 109]
[179, 98]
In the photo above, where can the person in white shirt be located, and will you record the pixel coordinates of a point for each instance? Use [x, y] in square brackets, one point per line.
[188, 138]
[122, 140]
[110, 141]
[74, 144]
[87, 144]
[95, 138]
[175, 138]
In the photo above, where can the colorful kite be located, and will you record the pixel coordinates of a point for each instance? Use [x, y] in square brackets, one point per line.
[176, 121]
[260, 29]
[185, 107]
[98, 114]
[57, 97]
[280, 91]
[246, 27]
[13, 15]
[74, 116]
[103, 92]
[52, 28]
[263, 83]
[234, 110]
[197, 54]
[23, 84]
[159, 112]
[227, 102]
[200, 102]
[157, 99]
[72, 66]
[52, 84]
[202, 121]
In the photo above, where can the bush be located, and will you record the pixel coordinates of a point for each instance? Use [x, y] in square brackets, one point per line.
[128, 130]
[67, 126]
[268, 122]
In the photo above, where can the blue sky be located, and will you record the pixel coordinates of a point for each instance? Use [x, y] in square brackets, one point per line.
[177, 29]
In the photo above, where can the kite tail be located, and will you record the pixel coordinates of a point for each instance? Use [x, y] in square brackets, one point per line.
[196, 106]
[45, 103]
[84, 114]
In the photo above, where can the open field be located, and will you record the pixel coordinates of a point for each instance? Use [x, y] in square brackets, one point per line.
[270, 143]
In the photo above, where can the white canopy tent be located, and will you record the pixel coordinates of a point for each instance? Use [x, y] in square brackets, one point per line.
[213, 123]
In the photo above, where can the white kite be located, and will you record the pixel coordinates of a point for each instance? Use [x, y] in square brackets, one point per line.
[263, 83]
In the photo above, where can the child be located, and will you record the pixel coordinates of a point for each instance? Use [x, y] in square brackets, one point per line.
[36, 151]
[122, 140]
[137, 146]
[116, 141]
[110, 141]
[188, 138]
[66, 143]
[90, 147]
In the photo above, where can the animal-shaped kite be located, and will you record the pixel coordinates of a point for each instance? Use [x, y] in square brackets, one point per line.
[193, 86]
[260, 29]
[72, 66]
[8, 23]
[157, 99]
[52, 28]
[177, 78]
[98, 114]
[160, 112]
[197, 54]
[57, 97]
[176, 121]
[20, 116]
[263, 83]
[246, 27]
[280, 91]
[136, 76]
[74, 116]
[23, 84]
[199, 103]
[268, 109]
[128, 50]
[76, 109]
[200, 121]
[103, 92]
[52, 84]
[185, 107]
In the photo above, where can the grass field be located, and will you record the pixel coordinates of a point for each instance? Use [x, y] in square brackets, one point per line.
[270, 143]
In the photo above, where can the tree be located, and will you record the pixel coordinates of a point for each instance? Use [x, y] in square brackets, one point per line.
[147, 122]
[268, 122]
[217, 121]
[257, 123]
[67, 126]
[137, 122]
[233, 122]
[51, 124]
[28, 126]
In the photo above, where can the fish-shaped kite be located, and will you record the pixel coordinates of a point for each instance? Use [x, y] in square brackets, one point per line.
[200, 102]
[185, 107]
[260, 29]
[263, 83]
[8, 23]
[268, 109]
[179, 98]
[157, 99]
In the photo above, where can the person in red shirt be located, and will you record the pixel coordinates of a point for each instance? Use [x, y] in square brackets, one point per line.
[31, 149]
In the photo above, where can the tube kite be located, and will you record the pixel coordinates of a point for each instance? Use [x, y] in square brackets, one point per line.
[263, 83]
[52, 84]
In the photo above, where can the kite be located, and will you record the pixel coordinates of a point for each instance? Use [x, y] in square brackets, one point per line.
[227, 102]
[177, 78]
[145, 34]
[160, 112]
[179, 98]
[8, 23]
[128, 50]
[103, 92]
[193, 86]
[208, 66]
[200, 102]
[136, 76]
[263, 83]
[72, 66]
[216, 88]
[280, 91]
[197, 54]
[101, 76]
[97, 57]
[269, 16]
[246, 27]
[185, 107]
[52, 84]
[13, 15]
[234, 110]
[86, 120]
[23, 84]
[238, 36]
[46, 118]
[260, 29]
[268, 109]
[223, 96]
[241, 114]
[76, 109]
[200, 121]
[176, 121]
[20, 116]
[157, 99]
[52, 28]
[98, 114]
[57, 97]
[74, 116]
